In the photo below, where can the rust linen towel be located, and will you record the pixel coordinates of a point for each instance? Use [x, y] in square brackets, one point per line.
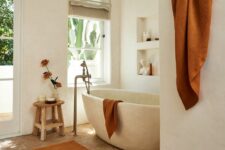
[192, 19]
[111, 115]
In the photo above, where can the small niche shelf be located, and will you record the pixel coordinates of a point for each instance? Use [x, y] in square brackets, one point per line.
[147, 47]
[147, 29]
[145, 58]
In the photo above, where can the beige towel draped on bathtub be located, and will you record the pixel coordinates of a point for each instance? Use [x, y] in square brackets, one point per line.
[192, 19]
[111, 115]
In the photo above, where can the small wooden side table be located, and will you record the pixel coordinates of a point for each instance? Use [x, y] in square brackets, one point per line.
[40, 122]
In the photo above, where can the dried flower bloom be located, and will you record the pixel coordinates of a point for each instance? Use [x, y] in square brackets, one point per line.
[47, 75]
[44, 62]
[58, 84]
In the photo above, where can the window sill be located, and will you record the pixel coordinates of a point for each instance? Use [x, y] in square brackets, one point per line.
[94, 84]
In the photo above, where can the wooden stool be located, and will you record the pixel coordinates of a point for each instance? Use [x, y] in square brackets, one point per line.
[40, 122]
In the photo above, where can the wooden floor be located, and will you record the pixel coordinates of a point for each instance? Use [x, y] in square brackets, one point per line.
[86, 137]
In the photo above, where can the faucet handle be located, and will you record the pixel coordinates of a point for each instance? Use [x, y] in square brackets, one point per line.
[83, 64]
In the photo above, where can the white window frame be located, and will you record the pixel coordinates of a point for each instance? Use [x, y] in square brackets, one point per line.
[13, 130]
[10, 38]
[106, 59]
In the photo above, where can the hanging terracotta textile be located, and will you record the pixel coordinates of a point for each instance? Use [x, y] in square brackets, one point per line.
[111, 115]
[192, 19]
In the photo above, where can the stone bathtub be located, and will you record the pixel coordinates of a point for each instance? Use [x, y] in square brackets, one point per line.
[138, 118]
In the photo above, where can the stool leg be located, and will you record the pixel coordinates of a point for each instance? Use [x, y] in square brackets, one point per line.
[54, 117]
[37, 120]
[60, 115]
[43, 123]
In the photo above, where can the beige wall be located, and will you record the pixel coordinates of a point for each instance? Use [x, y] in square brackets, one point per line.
[131, 10]
[202, 127]
[44, 35]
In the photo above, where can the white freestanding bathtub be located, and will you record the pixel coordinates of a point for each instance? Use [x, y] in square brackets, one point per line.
[138, 118]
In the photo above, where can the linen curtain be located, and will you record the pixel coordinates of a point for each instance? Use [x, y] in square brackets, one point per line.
[90, 8]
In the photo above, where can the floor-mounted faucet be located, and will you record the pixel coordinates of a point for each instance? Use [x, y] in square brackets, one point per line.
[86, 78]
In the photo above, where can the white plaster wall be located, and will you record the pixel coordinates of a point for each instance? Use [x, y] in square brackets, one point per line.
[131, 9]
[202, 127]
[44, 35]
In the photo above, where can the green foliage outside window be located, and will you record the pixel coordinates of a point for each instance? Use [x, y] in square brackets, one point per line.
[84, 35]
[6, 32]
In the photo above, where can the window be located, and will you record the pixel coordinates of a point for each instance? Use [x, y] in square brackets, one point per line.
[6, 58]
[6, 32]
[87, 41]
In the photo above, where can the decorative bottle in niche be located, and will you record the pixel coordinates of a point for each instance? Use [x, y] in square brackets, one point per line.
[150, 69]
[144, 68]
[145, 36]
